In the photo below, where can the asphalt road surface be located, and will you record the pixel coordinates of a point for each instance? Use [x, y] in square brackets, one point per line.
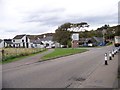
[58, 73]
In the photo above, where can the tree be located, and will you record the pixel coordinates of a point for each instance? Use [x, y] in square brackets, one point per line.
[117, 33]
[63, 33]
[65, 26]
[78, 26]
[62, 36]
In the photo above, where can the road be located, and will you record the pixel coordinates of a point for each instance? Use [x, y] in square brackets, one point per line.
[58, 73]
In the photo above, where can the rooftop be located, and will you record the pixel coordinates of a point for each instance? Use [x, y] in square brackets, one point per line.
[19, 36]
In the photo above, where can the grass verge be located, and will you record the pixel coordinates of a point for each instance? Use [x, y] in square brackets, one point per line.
[12, 59]
[60, 52]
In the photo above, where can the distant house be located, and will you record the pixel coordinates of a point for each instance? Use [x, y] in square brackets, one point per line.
[33, 41]
[94, 41]
[99, 41]
[37, 44]
[47, 40]
[8, 43]
[21, 41]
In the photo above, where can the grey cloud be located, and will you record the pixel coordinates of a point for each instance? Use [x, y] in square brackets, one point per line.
[47, 17]
[41, 14]
[56, 17]
[119, 12]
[96, 20]
[8, 30]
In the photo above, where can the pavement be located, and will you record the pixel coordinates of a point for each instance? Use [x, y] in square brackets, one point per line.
[84, 70]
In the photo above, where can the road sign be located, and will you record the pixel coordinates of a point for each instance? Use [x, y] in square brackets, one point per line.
[75, 36]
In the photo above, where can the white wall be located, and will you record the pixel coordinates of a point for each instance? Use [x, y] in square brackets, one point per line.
[37, 45]
[2, 45]
[40, 46]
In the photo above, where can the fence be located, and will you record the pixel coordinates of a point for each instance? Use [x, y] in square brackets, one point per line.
[9, 53]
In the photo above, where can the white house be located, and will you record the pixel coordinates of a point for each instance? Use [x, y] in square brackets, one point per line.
[47, 40]
[34, 41]
[21, 41]
[27, 41]
[6, 43]
[37, 44]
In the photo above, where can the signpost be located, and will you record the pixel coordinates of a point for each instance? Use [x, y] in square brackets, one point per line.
[75, 40]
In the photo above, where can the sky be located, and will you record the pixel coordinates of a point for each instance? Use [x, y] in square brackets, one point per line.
[35, 17]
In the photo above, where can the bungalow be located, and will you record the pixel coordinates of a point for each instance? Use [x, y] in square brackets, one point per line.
[46, 40]
[94, 41]
[37, 44]
[37, 41]
[8, 43]
[99, 41]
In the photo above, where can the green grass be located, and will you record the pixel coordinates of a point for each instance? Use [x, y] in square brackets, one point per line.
[60, 52]
[14, 58]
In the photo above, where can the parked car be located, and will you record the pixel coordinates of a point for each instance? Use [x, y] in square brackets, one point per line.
[90, 44]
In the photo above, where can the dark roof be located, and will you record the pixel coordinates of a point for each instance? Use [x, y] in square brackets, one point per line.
[19, 36]
[42, 35]
[85, 39]
[47, 38]
[93, 39]
[98, 39]
[32, 37]
[8, 41]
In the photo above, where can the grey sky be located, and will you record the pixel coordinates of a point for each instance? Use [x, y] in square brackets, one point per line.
[41, 16]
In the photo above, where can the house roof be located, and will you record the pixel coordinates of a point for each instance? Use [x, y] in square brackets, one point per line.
[32, 37]
[92, 39]
[98, 39]
[47, 38]
[47, 35]
[19, 36]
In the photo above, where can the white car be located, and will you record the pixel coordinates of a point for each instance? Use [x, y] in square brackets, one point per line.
[90, 44]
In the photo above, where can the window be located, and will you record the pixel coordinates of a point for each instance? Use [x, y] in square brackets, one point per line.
[13, 40]
[22, 40]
